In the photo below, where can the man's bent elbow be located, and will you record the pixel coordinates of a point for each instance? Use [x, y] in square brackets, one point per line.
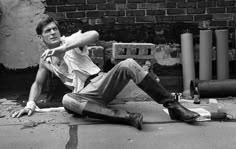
[95, 34]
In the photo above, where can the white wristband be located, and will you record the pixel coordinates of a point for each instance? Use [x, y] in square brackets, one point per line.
[30, 105]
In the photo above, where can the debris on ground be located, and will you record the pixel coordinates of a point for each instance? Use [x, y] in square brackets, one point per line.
[4, 101]
[30, 124]
[2, 116]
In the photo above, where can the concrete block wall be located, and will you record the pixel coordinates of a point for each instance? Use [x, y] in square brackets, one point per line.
[96, 53]
[144, 51]
[20, 47]
[141, 52]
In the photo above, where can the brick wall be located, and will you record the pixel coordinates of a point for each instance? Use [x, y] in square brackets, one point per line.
[219, 13]
[152, 21]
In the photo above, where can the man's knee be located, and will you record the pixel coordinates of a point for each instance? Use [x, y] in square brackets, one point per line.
[67, 100]
[73, 104]
[128, 63]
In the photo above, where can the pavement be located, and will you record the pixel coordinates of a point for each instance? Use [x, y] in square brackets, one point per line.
[60, 130]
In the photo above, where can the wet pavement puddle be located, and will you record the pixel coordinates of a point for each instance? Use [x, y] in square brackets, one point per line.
[73, 140]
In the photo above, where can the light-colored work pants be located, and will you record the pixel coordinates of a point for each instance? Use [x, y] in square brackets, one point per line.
[106, 86]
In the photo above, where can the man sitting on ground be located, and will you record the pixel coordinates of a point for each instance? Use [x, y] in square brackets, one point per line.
[92, 90]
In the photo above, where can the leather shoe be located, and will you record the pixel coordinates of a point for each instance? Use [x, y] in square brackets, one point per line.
[136, 120]
[179, 112]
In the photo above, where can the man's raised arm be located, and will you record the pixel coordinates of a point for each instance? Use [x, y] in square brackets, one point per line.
[77, 39]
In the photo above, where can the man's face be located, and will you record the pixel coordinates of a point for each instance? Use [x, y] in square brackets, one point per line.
[51, 35]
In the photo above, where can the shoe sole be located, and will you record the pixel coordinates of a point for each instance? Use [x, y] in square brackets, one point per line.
[192, 119]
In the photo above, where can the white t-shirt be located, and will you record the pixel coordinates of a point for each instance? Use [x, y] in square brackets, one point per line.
[76, 67]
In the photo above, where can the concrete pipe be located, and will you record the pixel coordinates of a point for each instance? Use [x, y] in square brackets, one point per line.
[213, 88]
[222, 54]
[205, 52]
[187, 61]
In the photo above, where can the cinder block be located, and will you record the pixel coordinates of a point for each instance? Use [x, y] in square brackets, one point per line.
[98, 52]
[143, 51]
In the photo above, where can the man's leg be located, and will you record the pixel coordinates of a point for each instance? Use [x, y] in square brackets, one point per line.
[82, 105]
[113, 82]
[130, 69]
[159, 94]
[104, 89]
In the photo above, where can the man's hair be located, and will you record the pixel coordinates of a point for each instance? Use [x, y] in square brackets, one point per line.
[43, 22]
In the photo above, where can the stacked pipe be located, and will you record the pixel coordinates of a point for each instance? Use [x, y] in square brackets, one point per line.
[222, 54]
[213, 88]
[187, 61]
[205, 52]
[206, 87]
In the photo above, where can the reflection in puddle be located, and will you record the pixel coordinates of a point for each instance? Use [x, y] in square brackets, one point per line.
[73, 141]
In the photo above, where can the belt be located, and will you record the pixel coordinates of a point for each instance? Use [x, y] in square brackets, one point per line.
[90, 78]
